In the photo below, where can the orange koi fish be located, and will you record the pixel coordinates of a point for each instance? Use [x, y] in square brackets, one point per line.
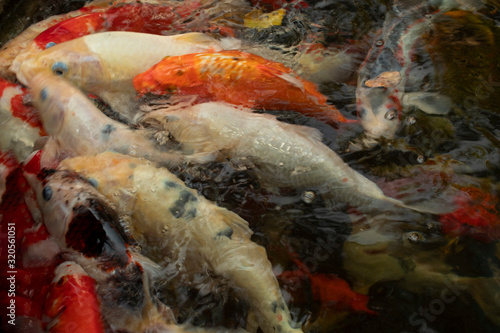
[238, 78]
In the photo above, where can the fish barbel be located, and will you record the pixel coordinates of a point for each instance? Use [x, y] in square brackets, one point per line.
[105, 63]
[79, 128]
[238, 78]
[284, 155]
[169, 218]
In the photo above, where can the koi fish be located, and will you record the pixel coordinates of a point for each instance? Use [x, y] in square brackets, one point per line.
[72, 301]
[283, 155]
[88, 232]
[20, 125]
[382, 90]
[79, 128]
[173, 220]
[104, 64]
[238, 78]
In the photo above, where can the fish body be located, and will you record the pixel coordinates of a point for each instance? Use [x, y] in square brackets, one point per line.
[105, 63]
[79, 128]
[72, 301]
[20, 126]
[284, 155]
[88, 232]
[173, 221]
[238, 78]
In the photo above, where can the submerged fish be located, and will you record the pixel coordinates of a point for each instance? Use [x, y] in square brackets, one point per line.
[238, 78]
[105, 63]
[88, 232]
[284, 155]
[172, 221]
[72, 301]
[79, 128]
[382, 91]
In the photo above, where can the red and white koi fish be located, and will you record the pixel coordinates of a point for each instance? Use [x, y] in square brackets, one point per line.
[169, 219]
[238, 78]
[79, 128]
[105, 64]
[20, 126]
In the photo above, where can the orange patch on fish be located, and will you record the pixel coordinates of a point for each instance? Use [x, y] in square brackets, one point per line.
[238, 78]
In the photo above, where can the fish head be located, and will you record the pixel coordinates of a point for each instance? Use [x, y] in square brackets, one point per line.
[379, 107]
[71, 60]
[77, 216]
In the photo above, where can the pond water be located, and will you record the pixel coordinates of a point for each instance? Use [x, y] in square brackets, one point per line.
[342, 269]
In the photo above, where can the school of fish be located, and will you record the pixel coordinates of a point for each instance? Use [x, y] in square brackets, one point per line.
[109, 113]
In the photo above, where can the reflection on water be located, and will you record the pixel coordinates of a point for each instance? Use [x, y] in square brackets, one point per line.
[421, 272]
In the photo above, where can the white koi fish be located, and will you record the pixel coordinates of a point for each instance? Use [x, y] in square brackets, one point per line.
[173, 221]
[79, 128]
[105, 63]
[284, 155]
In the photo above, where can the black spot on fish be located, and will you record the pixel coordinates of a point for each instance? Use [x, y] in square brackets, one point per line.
[44, 94]
[171, 185]
[129, 286]
[106, 131]
[274, 307]
[47, 193]
[49, 45]
[228, 232]
[178, 209]
[279, 328]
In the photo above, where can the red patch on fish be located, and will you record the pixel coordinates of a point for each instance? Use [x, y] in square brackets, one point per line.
[238, 78]
[476, 216]
[18, 108]
[72, 302]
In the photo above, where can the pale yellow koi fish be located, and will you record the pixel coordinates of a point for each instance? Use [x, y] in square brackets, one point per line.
[169, 218]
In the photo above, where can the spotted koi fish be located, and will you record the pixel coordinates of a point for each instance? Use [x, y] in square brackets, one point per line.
[19, 123]
[169, 218]
[238, 78]
[79, 128]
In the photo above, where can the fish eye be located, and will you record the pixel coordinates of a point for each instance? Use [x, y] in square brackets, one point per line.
[415, 237]
[391, 115]
[47, 193]
[59, 68]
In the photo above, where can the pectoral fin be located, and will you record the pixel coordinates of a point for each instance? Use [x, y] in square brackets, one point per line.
[428, 102]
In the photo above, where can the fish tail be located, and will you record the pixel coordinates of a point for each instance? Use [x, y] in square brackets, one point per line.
[246, 265]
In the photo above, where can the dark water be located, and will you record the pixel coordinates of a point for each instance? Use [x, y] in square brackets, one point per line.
[419, 276]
